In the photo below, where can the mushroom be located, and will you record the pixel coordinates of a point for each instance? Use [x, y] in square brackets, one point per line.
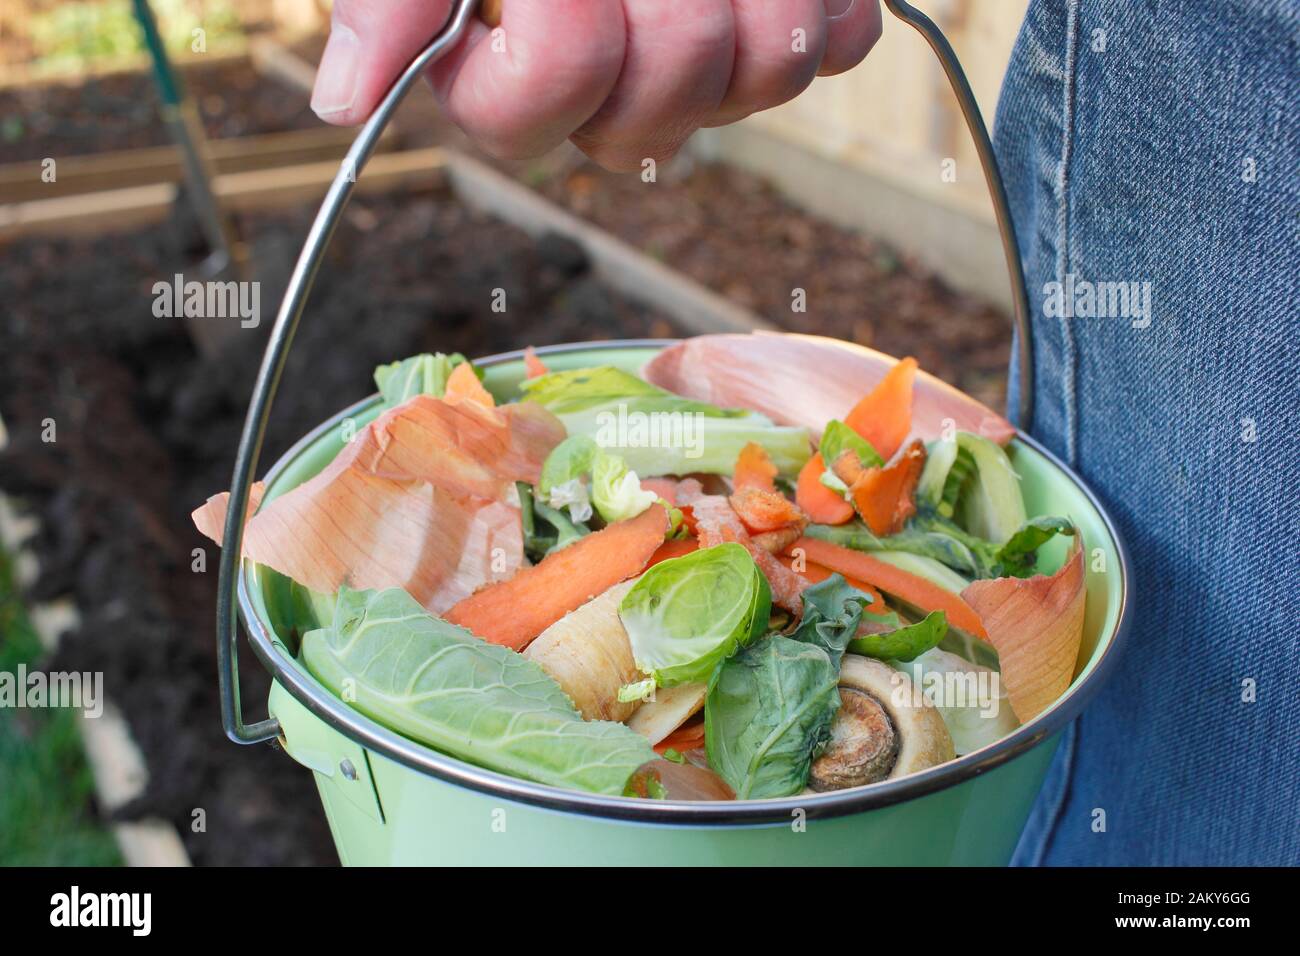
[885, 728]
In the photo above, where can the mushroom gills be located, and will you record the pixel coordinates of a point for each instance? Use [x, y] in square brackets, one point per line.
[863, 747]
[884, 729]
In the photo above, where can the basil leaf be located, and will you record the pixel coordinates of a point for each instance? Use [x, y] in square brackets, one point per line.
[439, 684]
[902, 642]
[832, 611]
[768, 712]
[769, 708]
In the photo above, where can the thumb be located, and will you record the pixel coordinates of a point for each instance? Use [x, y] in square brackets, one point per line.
[370, 43]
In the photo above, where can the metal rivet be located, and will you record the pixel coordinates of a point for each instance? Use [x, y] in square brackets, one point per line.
[349, 771]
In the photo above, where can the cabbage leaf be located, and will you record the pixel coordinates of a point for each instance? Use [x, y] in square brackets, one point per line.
[440, 685]
[657, 432]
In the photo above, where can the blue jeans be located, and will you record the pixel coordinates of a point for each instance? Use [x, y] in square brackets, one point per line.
[1155, 144]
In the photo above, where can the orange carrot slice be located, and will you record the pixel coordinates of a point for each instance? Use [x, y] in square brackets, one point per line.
[766, 510]
[754, 469]
[1036, 624]
[884, 417]
[687, 737]
[533, 366]
[463, 386]
[911, 588]
[885, 497]
[821, 504]
[673, 549]
[514, 611]
[817, 573]
[715, 522]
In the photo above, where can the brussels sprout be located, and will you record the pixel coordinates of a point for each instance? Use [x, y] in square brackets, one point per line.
[687, 614]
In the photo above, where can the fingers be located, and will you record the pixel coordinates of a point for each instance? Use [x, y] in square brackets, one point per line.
[853, 29]
[675, 73]
[524, 88]
[627, 79]
[370, 43]
[779, 47]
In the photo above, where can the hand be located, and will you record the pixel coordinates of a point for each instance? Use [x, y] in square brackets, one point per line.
[626, 80]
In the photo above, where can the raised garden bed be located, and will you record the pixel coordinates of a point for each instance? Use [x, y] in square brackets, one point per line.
[119, 111]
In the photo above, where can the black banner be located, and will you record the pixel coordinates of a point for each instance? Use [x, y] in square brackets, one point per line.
[336, 906]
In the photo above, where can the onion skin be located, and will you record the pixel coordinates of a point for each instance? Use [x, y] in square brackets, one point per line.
[1036, 624]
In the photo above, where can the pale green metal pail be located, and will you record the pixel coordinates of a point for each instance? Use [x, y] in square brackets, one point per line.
[390, 800]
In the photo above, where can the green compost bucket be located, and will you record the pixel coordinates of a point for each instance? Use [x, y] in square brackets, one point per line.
[390, 800]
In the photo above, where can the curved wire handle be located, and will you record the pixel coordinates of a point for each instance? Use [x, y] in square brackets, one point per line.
[268, 376]
[970, 111]
[304, 275]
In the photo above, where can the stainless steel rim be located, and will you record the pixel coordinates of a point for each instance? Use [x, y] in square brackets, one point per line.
[371, 735]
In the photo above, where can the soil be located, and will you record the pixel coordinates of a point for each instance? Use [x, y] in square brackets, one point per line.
[121, 111]
[145, 430]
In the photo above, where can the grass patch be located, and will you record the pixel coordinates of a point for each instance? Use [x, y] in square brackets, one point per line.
[46, 814]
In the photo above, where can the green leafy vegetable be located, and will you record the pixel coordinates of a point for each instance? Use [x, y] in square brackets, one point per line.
[546, 529]
[686, 614]
[438, 684]
[616, 491]
[839, 438]
[1018, 556]
[422, 374]
[572, 458]
[930, 536]
[769, 708]
[902, 642]
[768, 712]
[832, 611]
[912, 540]
[657, 432]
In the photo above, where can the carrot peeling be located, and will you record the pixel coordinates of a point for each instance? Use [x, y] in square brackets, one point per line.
[463, 386]
[689, 736]
[514, 611]
[533, 366]
[766, 510]
[909, 587]
[754, 469]
[885, 497]
[884, 417]
[673, 549]
[821, 504]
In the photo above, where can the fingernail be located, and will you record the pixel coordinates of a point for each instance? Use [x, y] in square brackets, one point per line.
[838, 8]
[336, 80]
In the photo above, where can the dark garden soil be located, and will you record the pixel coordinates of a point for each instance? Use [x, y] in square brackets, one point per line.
[120, 111]
[144, 431]
[735, 233]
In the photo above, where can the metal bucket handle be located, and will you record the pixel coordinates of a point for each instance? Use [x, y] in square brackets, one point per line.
[304, 275]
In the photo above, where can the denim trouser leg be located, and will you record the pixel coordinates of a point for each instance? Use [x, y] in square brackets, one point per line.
[1154, 145]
